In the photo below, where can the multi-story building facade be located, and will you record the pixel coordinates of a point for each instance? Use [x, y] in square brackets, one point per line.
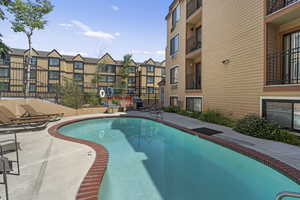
[237, 57]
[49, 69]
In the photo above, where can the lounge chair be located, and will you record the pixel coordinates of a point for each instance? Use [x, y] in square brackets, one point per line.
[12, 116]
[31, 112]
[7, 122]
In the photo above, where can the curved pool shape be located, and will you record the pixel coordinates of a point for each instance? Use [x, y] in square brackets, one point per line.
[151, 161]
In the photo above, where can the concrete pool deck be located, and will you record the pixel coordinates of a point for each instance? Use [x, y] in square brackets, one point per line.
[52, 168]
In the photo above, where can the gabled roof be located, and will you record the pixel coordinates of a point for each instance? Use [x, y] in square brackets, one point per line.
[54, 51]
[69, 58]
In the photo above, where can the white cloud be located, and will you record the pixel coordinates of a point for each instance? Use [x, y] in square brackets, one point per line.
[66, 25]
[115, 8]
[148, 53]
[117, 34]
[87, 31]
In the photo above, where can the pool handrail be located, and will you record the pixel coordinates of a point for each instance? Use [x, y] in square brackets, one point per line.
[282, 195]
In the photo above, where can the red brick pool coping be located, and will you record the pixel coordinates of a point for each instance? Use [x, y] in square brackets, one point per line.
[90, 186]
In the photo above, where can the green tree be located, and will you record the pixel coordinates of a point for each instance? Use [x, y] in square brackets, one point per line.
[70, 94]
[124, 71]
[28, 17]
[3, 3]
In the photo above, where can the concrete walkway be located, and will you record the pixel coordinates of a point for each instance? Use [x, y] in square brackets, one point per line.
[286, 153]
[51, 169]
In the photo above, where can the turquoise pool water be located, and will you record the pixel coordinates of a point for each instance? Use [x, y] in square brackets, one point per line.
[151, 161]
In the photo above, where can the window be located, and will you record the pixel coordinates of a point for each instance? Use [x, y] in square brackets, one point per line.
[131, 69]
[174, 44]
[32, 87]
[150, 90]
[286, 113]
[78, 65]
[150, 68]
[176, 15]
[131, 80]
[53, 75]
[54, 62]
[109, 69]
[78, 77]
[4, 72]
[32, 74]
[34, 60]
[163, 71]
[4, 59]
[4, 87]
[131, 91]
[52, 88]
[174, 101]
[174, 75]
[150, 79]
[110, 79]
[194, 104]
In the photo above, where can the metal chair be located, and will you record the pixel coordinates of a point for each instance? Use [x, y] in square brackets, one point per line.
[6, 165]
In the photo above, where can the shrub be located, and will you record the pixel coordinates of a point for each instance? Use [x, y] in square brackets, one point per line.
[256, 126]
[210, 116]
[217, 118]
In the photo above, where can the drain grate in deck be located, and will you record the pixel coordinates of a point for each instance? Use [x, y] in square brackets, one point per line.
[207, 131]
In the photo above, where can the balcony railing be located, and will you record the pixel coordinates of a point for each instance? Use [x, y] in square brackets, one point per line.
[192, 6]
[275, 5]
[193, 43]
[284, 67]
[193, 82]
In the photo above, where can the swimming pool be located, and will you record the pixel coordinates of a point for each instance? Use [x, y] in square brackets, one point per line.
[151, 161]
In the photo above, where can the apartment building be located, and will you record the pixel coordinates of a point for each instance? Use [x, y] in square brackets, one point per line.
[50, 69]
[237, 57]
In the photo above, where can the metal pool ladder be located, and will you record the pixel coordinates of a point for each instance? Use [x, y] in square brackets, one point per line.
[282, 195]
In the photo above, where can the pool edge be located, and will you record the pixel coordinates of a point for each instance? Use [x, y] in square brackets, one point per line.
[101, 160]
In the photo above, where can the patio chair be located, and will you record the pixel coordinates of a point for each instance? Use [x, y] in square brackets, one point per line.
[31, 112]
[7, 122]
[12, 116]
[6, 165]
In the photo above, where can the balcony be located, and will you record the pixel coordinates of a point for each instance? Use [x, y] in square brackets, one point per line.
[193, 82]
[193, 6]
[283, 68]
[193, 47]
[275, 5]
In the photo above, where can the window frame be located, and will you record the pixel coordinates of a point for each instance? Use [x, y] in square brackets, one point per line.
[7, 85]
[51, 58]
[175, 81]
[52, 71]
[264, 114]
[76, 68]
[151, 67]
[8, 72]
[194, 97]
[76, 74]
[173, 40]
[176, 15]
[106, 79]
[173, 97]
[153, 79]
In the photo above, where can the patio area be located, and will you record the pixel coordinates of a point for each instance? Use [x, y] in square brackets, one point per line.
[53, 169]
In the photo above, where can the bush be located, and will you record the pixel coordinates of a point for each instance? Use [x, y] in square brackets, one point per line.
[210, 116]
[217, 118]
[256, 126]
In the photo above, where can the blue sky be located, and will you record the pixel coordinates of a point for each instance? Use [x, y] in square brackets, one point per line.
[94, 27]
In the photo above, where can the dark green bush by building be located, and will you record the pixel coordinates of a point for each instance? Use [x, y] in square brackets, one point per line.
[256, 126]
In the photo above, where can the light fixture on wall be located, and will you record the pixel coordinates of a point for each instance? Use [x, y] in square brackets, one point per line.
[226, 62]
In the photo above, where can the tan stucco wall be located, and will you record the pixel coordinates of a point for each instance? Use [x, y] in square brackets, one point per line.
[233, 30]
